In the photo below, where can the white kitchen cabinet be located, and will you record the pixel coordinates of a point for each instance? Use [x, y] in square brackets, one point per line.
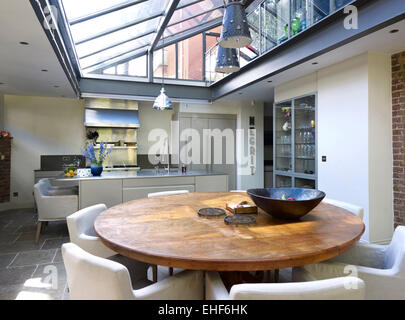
[218, 183]
[108, 191]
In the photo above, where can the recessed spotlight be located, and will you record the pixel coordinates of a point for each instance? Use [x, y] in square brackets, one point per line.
[24, 43]
[240, 92]
[44, 70]
[269, 81]
[1, 83]
[314, 63]
[394, 31]
[56, 86]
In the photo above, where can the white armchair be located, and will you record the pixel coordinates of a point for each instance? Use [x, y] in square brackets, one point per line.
[59, 190]
[52, 207]
[166, 193]
[95, 278]
[381, 267]
[332, 289]
[81, 231]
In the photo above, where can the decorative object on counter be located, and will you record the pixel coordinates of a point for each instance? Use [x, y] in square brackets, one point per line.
[183, 169]
[70, 171]
[286, 203]
[227, 60]
[96, 164]
[92, 135]
[211, 212]
[4, 134]
[163, 102]
[241, 208]
[238, 219]
[235, 28]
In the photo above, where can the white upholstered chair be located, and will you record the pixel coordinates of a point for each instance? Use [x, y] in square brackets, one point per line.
[237, 191]
[332, 289]
[81, 231]
[95, 278]
[60, 189]
[166, 193]
[52, 205]
[382, 267]
[356, 210]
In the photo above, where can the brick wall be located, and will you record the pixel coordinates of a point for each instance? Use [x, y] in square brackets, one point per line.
[398, 136]
[5, 150]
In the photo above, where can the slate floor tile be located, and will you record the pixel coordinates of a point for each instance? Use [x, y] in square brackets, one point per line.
[33, 257]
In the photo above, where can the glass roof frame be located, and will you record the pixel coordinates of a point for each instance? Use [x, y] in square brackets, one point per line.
[168, 9]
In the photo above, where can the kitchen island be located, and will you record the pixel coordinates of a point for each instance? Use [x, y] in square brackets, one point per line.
[116, 187]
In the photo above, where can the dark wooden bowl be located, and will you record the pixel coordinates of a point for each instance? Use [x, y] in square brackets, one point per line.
[269, 200]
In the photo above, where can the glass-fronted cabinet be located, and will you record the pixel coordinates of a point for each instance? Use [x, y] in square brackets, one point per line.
[295, 142]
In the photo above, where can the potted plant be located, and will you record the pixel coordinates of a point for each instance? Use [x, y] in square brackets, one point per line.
[96, 164]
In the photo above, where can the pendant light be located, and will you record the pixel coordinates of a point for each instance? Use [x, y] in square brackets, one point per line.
[227, 60]
[235, 28]
[163, 102]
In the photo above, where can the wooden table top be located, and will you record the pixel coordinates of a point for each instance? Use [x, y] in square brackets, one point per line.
[168, 231]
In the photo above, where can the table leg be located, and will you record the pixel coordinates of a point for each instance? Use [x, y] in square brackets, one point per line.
[154, 268]
[170, 271]
[268, 276]
[276, 275]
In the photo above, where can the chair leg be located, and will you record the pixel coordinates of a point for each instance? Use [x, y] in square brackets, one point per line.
[155, 271]
[170, 271]
[39, 227]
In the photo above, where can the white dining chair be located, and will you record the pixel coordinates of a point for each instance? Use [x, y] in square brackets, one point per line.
[237, 191]
[94, 278]
[52, 205]
[356, 210]
[166, 193]
[332, 289]
[382, 267]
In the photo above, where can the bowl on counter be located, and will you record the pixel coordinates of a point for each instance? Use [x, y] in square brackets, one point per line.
[271, 201]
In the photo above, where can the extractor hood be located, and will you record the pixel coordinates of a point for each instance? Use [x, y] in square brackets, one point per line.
[111, 113]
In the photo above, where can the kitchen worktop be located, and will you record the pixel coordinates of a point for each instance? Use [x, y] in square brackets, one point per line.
[139, 174]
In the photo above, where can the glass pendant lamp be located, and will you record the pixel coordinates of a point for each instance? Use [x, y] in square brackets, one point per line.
[235, 28]
[163, 102]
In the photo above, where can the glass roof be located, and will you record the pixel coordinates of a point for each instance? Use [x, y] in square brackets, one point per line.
[109, 32]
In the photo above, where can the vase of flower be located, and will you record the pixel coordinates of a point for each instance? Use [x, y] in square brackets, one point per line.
[96, 166]
[96, 169]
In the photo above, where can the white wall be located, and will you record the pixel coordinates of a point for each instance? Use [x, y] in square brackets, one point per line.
[40, 126]
[354, 132]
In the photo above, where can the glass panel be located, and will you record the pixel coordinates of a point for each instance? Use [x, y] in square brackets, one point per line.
[341, 3]
[273, 24]
[169, 66]
[283, 182]
[210, 62]
[79, 8]
[190, 58]
[283, 136]
[305, 147]
[118, 18]
[192, 10]
[254, 23]
[119, 37]
[304, 183]
[135, 68]
[194, 22]
[115, 51]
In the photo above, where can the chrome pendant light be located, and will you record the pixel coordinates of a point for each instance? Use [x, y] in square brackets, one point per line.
[227, 60]
[235, 28]
[163, 102]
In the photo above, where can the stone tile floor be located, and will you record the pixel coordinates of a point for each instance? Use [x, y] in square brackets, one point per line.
[29, 270]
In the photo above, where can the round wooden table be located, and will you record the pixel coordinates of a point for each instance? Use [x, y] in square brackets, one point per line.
[168, 231]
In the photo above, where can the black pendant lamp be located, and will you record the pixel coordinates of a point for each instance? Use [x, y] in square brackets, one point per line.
[235, 28]
[227, 60]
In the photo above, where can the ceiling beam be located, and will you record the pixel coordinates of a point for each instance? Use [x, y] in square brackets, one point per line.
[104, 12]
[171, 7]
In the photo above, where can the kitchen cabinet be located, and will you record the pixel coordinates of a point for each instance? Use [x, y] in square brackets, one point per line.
[208, 151]
[295, 142]
[211, 183]
[97, 191]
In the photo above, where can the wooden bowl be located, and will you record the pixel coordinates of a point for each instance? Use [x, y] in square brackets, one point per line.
[270, 200]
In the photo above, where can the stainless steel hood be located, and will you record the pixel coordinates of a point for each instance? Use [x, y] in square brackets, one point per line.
[111, 113]
[111, 118]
